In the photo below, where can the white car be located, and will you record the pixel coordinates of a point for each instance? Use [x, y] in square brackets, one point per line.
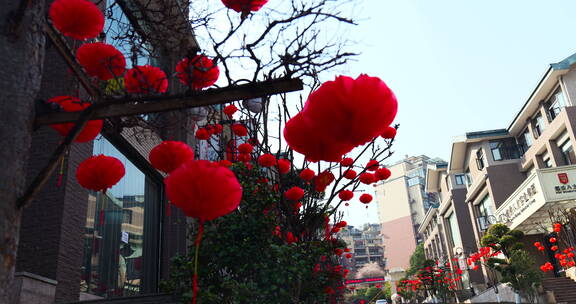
[381, 302]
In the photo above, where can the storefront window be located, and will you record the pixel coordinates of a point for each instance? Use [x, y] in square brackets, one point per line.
[121, 234]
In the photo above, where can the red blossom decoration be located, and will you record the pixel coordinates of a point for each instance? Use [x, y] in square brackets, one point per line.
[145, 79]
[307, 174]
[284, 166]
[239, 130]
[230, 110]
[101, 60]
[73, 104]
[267, 160]
[365, 198]
[78, 19]
[169, 155]
[294, 193]
[198, 73]
[203, 190]
[389, 132]
[99, 172]
[346, 195]
[245, 148]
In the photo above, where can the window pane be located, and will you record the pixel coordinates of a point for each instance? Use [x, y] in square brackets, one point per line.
[455, 233]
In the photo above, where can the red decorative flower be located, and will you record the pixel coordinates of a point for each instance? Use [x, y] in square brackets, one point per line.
[203, 190]
[323, 180]
[307, 174]
[99, 172]
[294, 193]
[145, 79]
[346, 195]
[365, 198]
[347, 162]
[350, 174]
[245, 148]
[372, 165]
[367, 178]
[389, 132]
[169, 155]
[73, 104]
[198, 73]
[230, 110]
[78, 19]
[284, 166]
[239, 130]
[382, 173]
[267, 160]
[202, 134]
[101, 60]
[244, 6]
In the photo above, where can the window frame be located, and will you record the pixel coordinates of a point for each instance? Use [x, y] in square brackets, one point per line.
[480, 159]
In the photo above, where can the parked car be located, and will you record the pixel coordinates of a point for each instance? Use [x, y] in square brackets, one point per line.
[381, 302]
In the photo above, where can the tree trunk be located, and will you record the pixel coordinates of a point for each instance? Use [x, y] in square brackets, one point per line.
[21, 57]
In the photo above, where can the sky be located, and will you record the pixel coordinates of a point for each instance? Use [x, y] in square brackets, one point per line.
[457, 66]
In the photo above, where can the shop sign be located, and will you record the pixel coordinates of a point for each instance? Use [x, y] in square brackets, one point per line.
[559, 183]
[517, 203]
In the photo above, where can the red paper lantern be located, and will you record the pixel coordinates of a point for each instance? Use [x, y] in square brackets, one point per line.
[169, 155]
[365, 198]
[294, 193]
[99, 172]
[346, 195]
[372, 165]
[245, 148]
[198, 73]
[284, 166]
[552, 240]
[239, 130]
[230, 110]
[307, 174]
[389, 132]
[73, 104]
[347, 162]
[202, 134]
[323, 180]
[267, 160]
[383, 173]
[101, 60]
[244, 6]
[350, 174]
[78, 19]
[203, 190]
[145, 79]
[367, 178]
[537, 244]
[225, 163]
[554, 248]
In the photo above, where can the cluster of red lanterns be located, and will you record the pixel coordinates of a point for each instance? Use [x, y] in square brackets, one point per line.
[341, 115]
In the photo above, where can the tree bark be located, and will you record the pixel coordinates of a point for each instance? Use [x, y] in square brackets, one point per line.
[21, 57]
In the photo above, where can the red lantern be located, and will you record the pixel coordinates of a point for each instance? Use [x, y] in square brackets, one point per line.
[73, 104]
[198, 73]
[346, 195]
[244, 6]
[169, 155]
[367, 178]
[202, 134]
[307, 174]
[552, 240]
[230, 110]
[338, 251]
[537, 244]
[347, 162]
[389, 132]
[350, 174]
[554, 248]
[267, 160]
[78, 19]
[99, 172]
[203, 190]
[323, 180]
[372, 165]
[294, 193]
[365, 198]
[239, 130]
[383, 173]
[101, 60]
[145, 79]
[245, 148]
[283, 166]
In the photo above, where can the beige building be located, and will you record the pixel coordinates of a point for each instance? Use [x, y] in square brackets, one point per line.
[365, 245]
[402, 203]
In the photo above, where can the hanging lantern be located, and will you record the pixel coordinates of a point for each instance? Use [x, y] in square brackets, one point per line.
[367, 178]
[198, 73]
[73, 104]
[145, 79]
[284, 166]
[101, 60]
[244, 6]
[307, 174]
[267, 160]
[99, 172]
[389, 133]
[230, 110]
[254, 105]
[78, 19]
[372, 165]
[346, 195]
[383, 173]
[347, 162]
[365, 198]
[323, 180]
[170, 155]
[239, 130]
[203, 190]
[294, 193]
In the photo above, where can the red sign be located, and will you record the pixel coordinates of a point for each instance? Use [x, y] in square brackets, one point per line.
[563, 177]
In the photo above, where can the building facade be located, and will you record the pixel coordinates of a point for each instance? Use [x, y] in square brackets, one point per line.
[366, 246]
[402, 204]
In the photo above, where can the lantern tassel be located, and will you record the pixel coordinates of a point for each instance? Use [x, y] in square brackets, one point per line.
[60, 172]
[195, 277]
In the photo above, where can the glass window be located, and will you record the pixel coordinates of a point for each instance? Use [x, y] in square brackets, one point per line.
[122, 233]
[485, 212]
[459, 179]
[504, 149]
[454, 231]
[547, 162]
[555, 103]
[568, 153]
[538, 125]
[525, 141]
[480, 159]
[468, 177]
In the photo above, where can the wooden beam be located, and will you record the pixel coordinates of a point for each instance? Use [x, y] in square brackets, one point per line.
[154, 104]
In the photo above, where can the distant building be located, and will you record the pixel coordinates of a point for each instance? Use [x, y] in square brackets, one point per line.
[365, 245]
[402, 205]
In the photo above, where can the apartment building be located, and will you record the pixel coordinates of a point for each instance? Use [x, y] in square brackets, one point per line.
[365, 245]
[402, 204]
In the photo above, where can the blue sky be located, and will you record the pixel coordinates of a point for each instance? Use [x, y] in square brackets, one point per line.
[457, 66]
